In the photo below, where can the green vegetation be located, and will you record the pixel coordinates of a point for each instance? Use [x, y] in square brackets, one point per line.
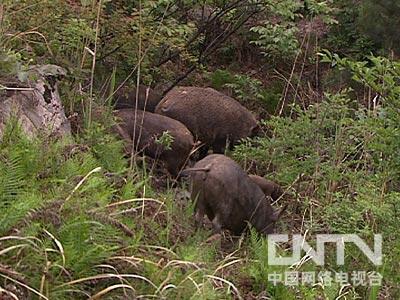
[80, 220]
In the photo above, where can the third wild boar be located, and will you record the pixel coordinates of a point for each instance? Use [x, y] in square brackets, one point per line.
[270, 188]
[213, 118]
[144, 128]
[225, 193]
[147, 99]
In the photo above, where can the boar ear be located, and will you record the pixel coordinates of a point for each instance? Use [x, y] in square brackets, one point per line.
[277, 215]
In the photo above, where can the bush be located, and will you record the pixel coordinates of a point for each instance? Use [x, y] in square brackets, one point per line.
[340, 159]
[380, 20]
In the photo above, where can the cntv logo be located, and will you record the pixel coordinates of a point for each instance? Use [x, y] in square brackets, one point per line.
[318, 255]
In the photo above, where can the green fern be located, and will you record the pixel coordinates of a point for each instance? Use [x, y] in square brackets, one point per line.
[12, 180]
[85, 244]
[18, 171]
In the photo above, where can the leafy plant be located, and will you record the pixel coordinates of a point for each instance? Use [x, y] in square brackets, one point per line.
[278, 37]
[277, 40]
[384, 29]
[166, 139]
[246, 89]
[12, 64]
[345, 37]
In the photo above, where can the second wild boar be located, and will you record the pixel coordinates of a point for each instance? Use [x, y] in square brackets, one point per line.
[270, 188]
[147, 99]
[213, 118]
[230, 199]
[143, 128]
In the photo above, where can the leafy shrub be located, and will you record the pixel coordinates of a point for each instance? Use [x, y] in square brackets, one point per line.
[277, 40]
[278, 36]
[345, 37]
[247, 90]
[380, 20]
[341, 157]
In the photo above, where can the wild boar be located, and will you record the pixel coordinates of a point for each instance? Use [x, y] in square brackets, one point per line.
[270, 188]
[226, 194]
[147, 100]
[144, 128]
[213, 118]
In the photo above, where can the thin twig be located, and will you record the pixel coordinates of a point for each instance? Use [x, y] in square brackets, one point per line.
[291, 76]
[94, 63]
[134, 147]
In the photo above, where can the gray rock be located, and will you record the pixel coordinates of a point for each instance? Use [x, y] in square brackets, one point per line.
[33, 99]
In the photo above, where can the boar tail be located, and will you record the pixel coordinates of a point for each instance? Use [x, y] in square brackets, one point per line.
[189, 171]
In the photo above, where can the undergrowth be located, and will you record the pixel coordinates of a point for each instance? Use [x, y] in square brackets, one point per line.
[79, 221]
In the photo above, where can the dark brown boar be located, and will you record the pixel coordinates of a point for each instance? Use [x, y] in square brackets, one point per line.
[213, 118]
[226, 194]
[144, 128]
[147, 99]
[270, 188]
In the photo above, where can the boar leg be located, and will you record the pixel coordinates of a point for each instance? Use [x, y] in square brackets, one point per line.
[173, 165]
[219, 146]
[216, 224]
[199, 212]
[203, 151]
[198, 218]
